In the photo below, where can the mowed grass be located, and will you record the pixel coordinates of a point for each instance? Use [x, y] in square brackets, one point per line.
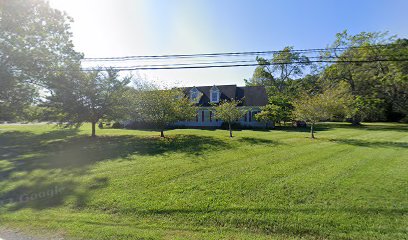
[349, 183]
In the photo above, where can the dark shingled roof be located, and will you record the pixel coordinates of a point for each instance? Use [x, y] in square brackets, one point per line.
[251, 96]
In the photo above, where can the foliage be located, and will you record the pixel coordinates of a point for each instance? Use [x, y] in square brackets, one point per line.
[396, 78]
[228, 111]
[89, 97]
[117, 125]
[269, 113]
[363, 108]
[285, 107]
[279, 109]
[310, 84]
[162, 107]
[276, 74]
[234, 125]
[379, 88]
[35, 43]
[367, 81]
[323, 106]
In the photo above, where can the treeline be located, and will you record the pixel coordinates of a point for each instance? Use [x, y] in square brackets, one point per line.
[371, 69]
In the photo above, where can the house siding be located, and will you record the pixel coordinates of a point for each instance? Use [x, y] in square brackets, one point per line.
[206, 119]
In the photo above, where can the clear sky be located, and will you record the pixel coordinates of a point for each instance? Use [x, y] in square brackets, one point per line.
[109, 28]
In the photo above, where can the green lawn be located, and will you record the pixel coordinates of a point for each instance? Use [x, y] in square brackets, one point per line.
[349, 183]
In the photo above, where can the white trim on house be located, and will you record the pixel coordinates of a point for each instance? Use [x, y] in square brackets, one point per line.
[214, 95]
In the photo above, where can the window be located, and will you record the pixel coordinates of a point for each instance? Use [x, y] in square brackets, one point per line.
[202, 116]
[214, 94]
[194, 95]
[210, 116]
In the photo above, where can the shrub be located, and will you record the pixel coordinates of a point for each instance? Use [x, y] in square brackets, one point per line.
[117, 125]
[234, 125]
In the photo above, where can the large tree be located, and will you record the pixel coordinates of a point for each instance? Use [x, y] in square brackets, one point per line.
[88, 96]
[277, 73]
[395, 88]
[35, 43]
[365, 79]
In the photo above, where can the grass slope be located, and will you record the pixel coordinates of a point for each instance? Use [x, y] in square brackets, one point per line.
[351, 182]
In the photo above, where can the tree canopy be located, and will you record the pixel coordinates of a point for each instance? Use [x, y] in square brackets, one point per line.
[229, 112]
[323, 106]
[162, 107]
[89, 97]
[378, 88]
[275, 73]
[35, 44]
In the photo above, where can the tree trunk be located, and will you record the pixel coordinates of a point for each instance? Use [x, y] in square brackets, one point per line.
[230, 129]
[93, 129]
[162, 133]
[312, 130]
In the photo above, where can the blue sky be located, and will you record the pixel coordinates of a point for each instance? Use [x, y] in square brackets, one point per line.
[106, 28]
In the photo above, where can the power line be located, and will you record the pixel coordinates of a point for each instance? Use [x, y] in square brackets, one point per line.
[321, 58]
[211, 62]
[192, 66]
[228, 54]
[134, 68]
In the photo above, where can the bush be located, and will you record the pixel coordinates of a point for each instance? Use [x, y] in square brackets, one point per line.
[234, 125]
[117, 125]
[404, 119]
[140, 125]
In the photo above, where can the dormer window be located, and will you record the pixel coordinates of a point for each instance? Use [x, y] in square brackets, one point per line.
[195, 95]
[214, 94]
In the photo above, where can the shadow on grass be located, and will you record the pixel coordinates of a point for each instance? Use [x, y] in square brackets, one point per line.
[42, 170]
[258, 141]
[398, 127]
[318, 128]
[372, 144]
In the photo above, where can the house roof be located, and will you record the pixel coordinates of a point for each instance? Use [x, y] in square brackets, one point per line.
[250, 96]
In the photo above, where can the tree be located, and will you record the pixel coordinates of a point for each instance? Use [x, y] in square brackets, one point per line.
[279, 108]
[365, 79]
[162, 107]
[228, 111]
[269, 113]
[395, 88]
[363, 108]
[322, 106]
[284, 110]
[35, 44]
[308, 84]
[275, 74]
[88, 96]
